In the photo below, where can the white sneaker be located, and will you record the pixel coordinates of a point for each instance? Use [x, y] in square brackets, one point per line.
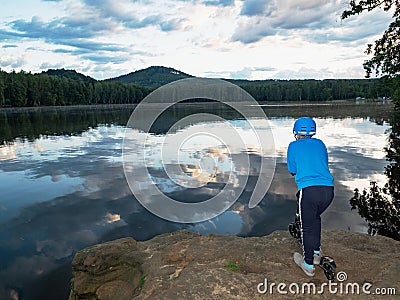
[299, 260]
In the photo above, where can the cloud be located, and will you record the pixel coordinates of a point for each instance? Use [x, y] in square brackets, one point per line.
[70, 32]
[56, 29]
[242, 74]
[247, 72]
[9, 35]
[254, 7]
[95, 19]
[89, 45]
[104, 59]
[75, 33]
[321, 73]
[223, 3]
[14, 62]
[72, 51]
[264, 69]
[9, 46]
[120, 12]
[171, 25]
[48, 65]
[266, 18]
[312, 20]
[136, 23]
[354, 32]
[252, 31]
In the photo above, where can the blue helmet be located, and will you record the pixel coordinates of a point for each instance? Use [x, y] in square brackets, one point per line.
[305, 126]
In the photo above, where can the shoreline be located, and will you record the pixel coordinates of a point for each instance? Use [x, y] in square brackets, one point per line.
[133, 105]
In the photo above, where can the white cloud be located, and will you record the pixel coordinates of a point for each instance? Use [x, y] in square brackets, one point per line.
[227, 37]
[13, 61]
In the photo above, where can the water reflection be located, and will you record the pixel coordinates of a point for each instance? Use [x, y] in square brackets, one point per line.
[379, 204]
[62, 185]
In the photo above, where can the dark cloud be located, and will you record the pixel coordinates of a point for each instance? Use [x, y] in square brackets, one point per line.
[356, 32]
[79, 31]
[68, 32]
[110, 9]
[46, 65]
[219, 2]
[9, 35]
[253, 31]
[299, 17]
[254, 7]
[88, 45]
[113, 11]
[98, 57]
[73, 52]
[104, 59]
[54, 30]
[265, 69]
[9, 46]
[136, 23]
[170, 25]
[314, 20]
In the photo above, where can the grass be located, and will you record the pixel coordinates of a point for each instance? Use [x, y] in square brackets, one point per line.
[142, 280]
[232, 266]
[71, 282]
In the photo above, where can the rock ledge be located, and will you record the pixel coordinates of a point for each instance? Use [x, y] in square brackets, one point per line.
[185, 265]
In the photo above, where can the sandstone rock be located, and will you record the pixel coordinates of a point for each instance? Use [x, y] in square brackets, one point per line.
[186, 265]
[107, 271]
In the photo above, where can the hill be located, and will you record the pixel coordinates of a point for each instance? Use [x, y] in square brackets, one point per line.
[152, 77]
[70, 74]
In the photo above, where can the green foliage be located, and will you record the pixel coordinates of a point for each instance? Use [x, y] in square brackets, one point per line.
[67, 87]
[152, 77]
[380, 206]
[64, 88]
[30, 125]
[376, 206]
[386, 51]
[232, 266]
[71, 283]
[317, 90]
[69, 74]
[142, 280]
[396, 92]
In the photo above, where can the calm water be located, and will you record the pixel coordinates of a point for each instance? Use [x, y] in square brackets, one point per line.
[62, 184]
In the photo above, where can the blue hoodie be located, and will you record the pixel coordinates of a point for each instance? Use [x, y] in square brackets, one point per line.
[307, 158]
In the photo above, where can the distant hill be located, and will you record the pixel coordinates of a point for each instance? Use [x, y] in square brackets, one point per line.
[152, 77]
[70, 74]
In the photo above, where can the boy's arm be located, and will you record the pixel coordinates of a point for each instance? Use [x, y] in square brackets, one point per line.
[291, 163]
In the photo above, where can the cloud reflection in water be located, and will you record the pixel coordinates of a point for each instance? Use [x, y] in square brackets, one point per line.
[62, 193]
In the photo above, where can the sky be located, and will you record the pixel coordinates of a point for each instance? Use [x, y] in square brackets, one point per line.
[237, 39]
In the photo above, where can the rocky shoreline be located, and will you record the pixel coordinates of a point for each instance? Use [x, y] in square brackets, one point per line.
[186, 265]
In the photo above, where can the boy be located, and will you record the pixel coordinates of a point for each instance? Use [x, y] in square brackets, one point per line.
[307, 159]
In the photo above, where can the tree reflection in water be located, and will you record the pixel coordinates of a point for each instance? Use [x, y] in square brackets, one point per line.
[380, 206]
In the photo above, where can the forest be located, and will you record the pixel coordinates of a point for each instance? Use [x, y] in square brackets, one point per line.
[26, 89]
[67, 87]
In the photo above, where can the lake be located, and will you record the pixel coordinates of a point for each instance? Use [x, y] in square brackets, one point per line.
[63, 187]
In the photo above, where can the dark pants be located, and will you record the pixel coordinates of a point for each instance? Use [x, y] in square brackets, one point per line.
[313, 201]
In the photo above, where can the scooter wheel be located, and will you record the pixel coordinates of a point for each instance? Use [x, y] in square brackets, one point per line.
[329, 271]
